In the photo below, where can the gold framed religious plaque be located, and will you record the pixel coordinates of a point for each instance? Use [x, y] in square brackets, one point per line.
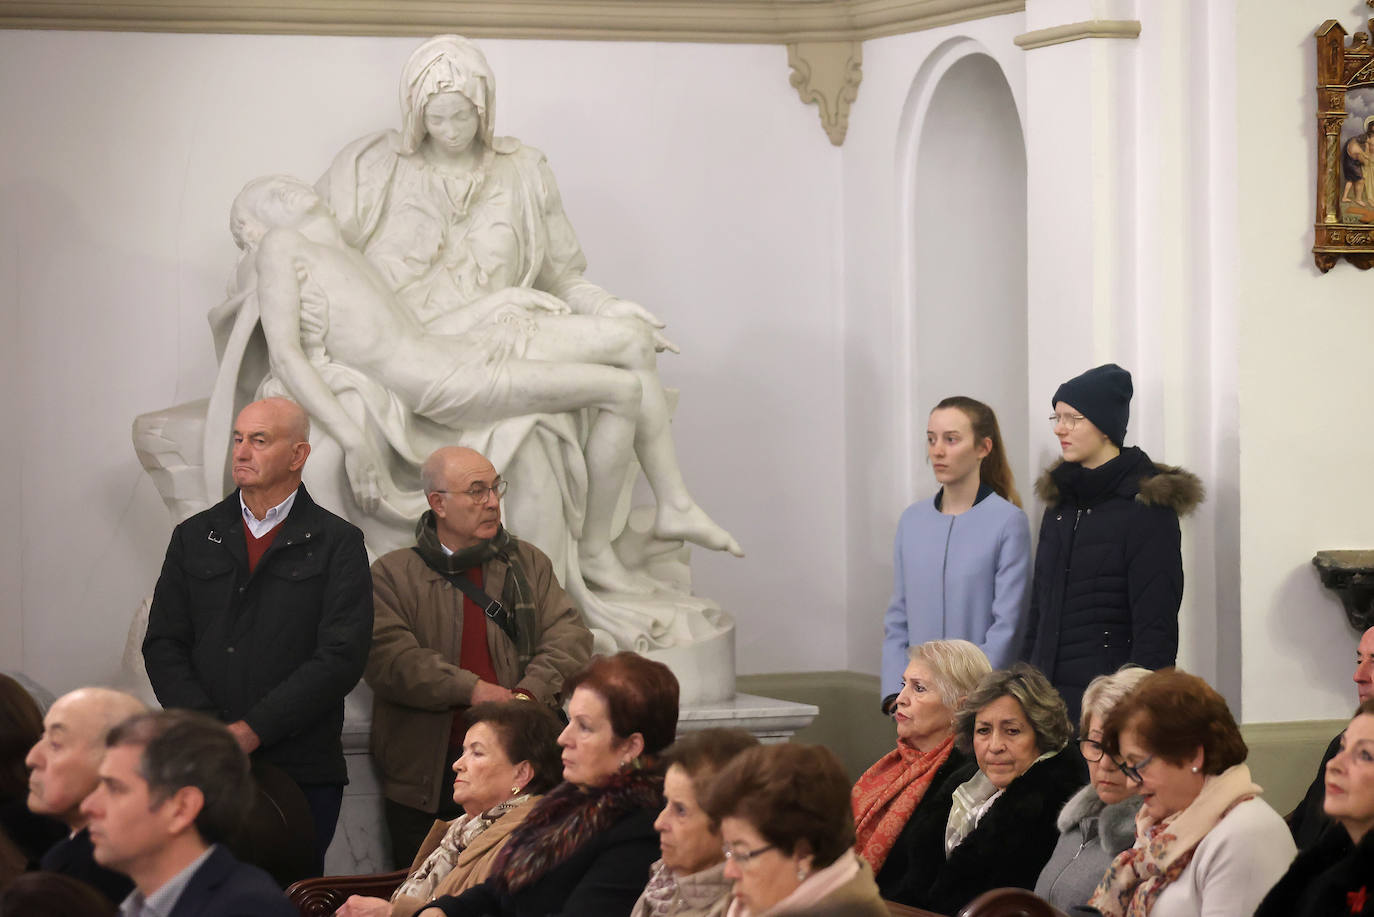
[1345, 147]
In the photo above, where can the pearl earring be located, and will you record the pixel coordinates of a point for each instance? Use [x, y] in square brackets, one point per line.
[801, 873]
[1195, 768]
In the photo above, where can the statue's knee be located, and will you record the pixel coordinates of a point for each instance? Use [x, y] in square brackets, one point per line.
[627, 393]
[637, 345]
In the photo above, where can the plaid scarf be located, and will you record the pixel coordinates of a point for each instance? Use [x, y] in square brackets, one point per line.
[516, 597]
[567, 819]
[1164, 849]
[887, 794]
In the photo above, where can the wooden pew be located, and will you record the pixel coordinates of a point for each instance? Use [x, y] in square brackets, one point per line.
[322, 896]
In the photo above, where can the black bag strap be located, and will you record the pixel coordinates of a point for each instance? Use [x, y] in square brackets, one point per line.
[492, 608]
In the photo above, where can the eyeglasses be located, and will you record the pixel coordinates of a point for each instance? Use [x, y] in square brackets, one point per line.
[1091, 750]
[478, 493]
[744, 857]
[1068, 420]
[1132, 771]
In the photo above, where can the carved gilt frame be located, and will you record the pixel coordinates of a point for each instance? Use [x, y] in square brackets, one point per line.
[1345, 204]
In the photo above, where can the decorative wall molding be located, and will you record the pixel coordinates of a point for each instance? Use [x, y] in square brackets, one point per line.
[717, 21]
[828, 74]
[1073, 31]
[822, 36]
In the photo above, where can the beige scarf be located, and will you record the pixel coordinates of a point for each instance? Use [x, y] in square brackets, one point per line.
[460, 834]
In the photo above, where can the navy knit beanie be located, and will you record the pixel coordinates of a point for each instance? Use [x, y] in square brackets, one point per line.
[1103, 395]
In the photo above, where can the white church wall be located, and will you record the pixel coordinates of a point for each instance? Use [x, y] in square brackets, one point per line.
[885, 297]
[699, 184]
[1128, 202]
[1306, 380]
[1126, 209]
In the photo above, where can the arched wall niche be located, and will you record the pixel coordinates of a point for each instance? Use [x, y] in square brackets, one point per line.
[962, 161]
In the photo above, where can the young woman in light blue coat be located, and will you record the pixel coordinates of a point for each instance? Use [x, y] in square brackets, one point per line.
[961, 563]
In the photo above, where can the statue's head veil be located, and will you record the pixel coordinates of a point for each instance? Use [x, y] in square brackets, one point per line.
[445, 63]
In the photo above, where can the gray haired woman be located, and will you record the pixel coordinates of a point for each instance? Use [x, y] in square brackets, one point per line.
[1001, 825]
[1099, 821]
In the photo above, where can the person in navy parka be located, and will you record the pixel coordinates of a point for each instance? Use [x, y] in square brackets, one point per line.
[1108, 576]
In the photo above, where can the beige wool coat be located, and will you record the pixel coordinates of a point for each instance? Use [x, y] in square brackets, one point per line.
[474, 863]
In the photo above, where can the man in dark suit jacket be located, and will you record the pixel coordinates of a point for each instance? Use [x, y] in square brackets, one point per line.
[173, 786]
[262, 616]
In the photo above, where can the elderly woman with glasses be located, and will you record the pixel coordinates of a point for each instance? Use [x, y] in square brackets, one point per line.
[1205, 842]
[1099, 821]
[1001, 826]
[902, 802]
[1334, 876]
[788, 834]
[1108, 576]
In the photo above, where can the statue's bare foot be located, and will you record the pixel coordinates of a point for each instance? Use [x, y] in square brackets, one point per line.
[692, 524]
[604, 570]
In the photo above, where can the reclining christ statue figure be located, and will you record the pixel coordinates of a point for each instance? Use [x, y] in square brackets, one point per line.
[508, 353]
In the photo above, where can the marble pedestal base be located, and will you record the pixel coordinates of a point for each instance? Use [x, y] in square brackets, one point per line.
[767, 718]
[705, 668]
[361, 845]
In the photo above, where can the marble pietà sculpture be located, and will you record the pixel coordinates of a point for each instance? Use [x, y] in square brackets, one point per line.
[428, 290]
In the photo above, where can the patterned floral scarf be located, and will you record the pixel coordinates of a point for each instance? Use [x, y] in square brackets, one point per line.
[459, 835]
[887, 794]
[567, 819]
[1164, 849]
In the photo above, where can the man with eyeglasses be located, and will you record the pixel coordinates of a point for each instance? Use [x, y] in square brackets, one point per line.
[262, 616]
[1308, 820]
[469, 614]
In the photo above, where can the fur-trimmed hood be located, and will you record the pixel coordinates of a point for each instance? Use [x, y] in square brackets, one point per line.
[1115, 822]
[1160, 485]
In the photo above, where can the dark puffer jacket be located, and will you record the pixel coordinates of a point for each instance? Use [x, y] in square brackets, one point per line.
[1108, 572]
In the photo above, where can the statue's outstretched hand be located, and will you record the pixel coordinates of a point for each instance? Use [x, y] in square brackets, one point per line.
[365, 476]
[530, 298]
[625, 308]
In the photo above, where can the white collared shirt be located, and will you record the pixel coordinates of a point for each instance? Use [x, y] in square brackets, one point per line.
[273, 517]
[161, 902]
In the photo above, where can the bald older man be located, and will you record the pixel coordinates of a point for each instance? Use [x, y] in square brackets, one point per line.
[1308, 820]
[64, 769]
[436, 650]
[262, 616]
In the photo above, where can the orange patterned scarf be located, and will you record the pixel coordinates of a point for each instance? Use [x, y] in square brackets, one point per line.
[887, 794]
